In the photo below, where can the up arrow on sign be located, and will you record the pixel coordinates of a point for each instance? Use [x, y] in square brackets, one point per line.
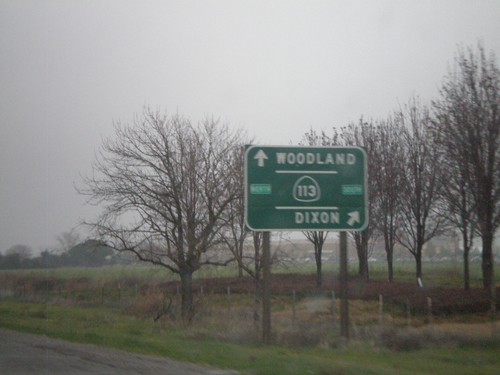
[261, 157]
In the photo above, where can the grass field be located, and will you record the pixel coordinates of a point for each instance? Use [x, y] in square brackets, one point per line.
[443, 274]
[223, 334]
[110, 328]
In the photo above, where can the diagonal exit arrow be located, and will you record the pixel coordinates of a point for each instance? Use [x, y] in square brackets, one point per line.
[261, 157]
[353, 218]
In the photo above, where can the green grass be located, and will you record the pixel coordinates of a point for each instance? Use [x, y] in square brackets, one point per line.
[111, 328]
[103, 274]
[81, 316]
[435, 274]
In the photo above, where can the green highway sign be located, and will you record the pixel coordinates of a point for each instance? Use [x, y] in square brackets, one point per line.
[305, 188]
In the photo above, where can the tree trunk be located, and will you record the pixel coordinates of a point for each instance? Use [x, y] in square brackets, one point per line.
[239, 251]
[361, 241]
[488, 272]
[240, 270]
[418, 253]
[187, 305]
[487, 263]
[363, 267]
[465, 239]
[466, 268]
[389, 252]
[390, 269]
[418, 260]
[319, 277]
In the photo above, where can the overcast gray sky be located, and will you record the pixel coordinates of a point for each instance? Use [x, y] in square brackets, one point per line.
[68, 69]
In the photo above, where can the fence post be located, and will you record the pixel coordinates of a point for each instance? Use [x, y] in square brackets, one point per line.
[408, 313]
[293, 308]
[381, 309]
[429, 310]
[334, 309]
[229, 302]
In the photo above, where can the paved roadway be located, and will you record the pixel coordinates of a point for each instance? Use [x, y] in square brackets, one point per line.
[25, 354]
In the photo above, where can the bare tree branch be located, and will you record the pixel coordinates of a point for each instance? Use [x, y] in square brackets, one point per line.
[166, 186]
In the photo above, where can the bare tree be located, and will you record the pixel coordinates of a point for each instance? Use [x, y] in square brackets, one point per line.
[251, 265]
[363, 134]
[317, 238]
[387, 181]
[17, 256]
[23, 251]
[166, 185]
[468, 119]
[234, 233]
[67, 240]
[420, 219]
[458, 201]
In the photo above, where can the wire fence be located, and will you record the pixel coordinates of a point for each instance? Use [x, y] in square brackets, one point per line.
[371, 304]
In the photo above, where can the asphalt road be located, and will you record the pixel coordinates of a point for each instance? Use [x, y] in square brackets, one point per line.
[25, 354]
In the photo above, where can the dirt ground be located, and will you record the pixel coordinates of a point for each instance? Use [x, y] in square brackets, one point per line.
[446, 300]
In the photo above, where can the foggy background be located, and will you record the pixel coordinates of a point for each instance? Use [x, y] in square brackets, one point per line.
[68, 69]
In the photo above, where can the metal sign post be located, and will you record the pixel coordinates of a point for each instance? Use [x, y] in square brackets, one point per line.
[291, 188]
[344, 303]
[266, 288]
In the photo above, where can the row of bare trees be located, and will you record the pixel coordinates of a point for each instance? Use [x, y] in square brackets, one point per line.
[171, 191]
[467, 125]
[432, 168]
[403, 184]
